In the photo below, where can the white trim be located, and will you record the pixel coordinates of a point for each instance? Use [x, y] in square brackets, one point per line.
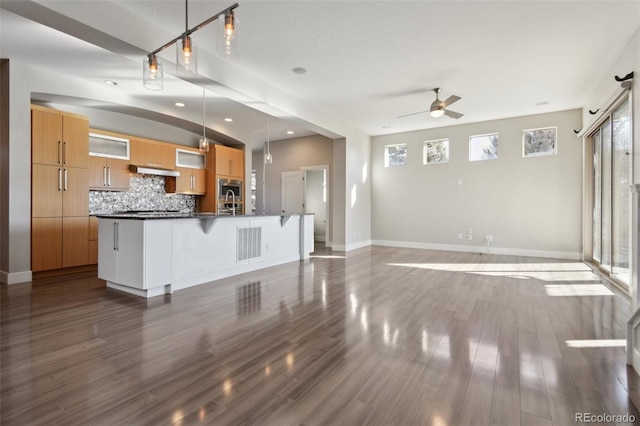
[636, 360]
[349, 247]
[15, 277]
[481, 249]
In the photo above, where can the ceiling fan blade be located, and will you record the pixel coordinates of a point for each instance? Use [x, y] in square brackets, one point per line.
[452, 114]
[413, 113]
[451, 99]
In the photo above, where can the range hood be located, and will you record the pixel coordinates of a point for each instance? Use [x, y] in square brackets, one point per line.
[153, 170]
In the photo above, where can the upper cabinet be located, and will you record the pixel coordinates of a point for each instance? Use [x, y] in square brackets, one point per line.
[153, 154]
[229, 161]
[191, 164]
[108, 162]
[59, 138]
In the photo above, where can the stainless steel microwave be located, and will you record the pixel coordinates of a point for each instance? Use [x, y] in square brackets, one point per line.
[226, 185]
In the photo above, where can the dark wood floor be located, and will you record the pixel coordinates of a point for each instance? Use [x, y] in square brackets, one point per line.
[382, 336]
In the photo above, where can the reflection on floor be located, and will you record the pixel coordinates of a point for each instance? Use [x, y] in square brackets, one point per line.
[378, 335]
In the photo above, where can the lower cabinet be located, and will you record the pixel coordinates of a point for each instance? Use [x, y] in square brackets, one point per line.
[135, 253]
[59, 242]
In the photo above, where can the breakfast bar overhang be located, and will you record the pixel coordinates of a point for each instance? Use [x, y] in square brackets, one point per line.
[150, 255]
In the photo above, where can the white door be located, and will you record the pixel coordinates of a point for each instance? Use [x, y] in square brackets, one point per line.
[293, 192]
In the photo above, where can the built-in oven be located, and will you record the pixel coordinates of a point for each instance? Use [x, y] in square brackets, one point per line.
[230, 196]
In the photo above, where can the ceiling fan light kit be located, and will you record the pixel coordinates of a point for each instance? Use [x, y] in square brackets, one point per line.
[439, 108]
[186, 58]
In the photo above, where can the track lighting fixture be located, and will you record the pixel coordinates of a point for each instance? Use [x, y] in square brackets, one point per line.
[186, 58]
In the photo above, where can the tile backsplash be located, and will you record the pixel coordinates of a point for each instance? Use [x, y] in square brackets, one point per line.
[146, 193]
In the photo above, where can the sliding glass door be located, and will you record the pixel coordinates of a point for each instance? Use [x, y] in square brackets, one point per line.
[612, 194]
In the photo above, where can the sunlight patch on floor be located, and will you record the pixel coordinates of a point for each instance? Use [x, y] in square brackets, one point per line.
[577, 290]
[572, 271]
[597, 343]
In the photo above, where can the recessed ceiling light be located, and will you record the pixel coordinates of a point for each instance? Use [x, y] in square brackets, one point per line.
[299, 70]
[179, 104]
[289, 132]
[542, 103]
[228, 120]
[111, 82]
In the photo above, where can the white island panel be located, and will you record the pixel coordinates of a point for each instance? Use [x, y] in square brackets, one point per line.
[156, 256]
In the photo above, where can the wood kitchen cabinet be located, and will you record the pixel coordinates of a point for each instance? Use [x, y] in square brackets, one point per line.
[190, 181]
[109, 174]
[191, 164]
[59, 189]
[229, 161]
[153, 154]
[59, 242]
[59, 138]
[109, 155]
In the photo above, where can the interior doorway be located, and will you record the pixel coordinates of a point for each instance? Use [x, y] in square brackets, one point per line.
[307, 191]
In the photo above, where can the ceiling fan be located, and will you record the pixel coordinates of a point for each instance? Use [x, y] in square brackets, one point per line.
[438, 107]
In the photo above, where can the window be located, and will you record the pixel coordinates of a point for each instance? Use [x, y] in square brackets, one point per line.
[435, 152]
[483, 147]
[538, 142]
[395, 155]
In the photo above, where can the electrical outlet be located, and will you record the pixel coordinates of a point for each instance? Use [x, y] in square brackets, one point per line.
[469, 237]
[489, 238]
[459, 236]
[469, 231]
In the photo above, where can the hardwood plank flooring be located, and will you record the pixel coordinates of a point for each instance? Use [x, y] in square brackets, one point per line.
[376, 336]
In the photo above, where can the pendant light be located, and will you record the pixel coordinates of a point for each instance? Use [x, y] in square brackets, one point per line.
[186, 58]
[152, 73]
[203, 143]
[227, 37]
[267, 156]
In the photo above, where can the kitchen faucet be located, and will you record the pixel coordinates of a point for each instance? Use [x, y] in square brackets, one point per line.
[233, 201]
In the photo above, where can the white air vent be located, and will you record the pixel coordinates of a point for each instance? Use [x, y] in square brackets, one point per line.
[248, 243]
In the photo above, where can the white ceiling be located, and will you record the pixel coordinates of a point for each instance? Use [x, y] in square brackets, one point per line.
[368, 61]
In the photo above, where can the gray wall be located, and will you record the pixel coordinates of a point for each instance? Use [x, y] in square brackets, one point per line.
[290, 155]
[531, 206]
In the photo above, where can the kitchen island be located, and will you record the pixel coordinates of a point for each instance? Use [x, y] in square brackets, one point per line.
[152, 254]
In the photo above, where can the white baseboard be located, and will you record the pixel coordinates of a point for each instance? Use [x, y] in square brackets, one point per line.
[481, 249]
[15, 277]
[349, 247]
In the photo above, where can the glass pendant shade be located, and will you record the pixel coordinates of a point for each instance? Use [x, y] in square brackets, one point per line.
[186, 58]
[267, 158]
[228, 35]
[152, 73]
[203, 144]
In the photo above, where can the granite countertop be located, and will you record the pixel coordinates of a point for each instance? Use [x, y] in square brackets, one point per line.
[181, 215]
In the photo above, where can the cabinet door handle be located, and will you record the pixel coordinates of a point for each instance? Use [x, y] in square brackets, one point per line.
[108, 176]
[65, 179]
[64, 152]
[193, 183]
[230, 167]
[104, 176]
[59, 179]
[116, 231]
[59, 152]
